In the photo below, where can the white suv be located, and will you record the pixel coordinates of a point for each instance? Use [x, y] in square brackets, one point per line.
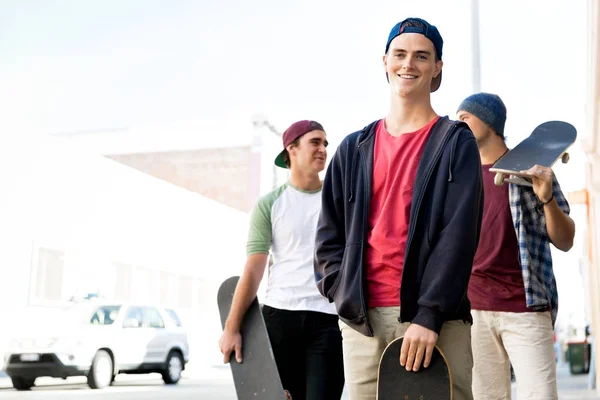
[100, 341]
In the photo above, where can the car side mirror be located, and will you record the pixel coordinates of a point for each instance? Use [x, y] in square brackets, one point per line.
[131, 323]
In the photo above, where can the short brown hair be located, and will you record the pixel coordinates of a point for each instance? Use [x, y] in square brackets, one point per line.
[286, 155]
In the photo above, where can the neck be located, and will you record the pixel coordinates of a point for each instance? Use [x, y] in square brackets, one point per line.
[491, 151]
[408, 115]
[305, 181]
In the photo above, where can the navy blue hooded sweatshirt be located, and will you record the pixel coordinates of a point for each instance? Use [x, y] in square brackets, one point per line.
[444, 227]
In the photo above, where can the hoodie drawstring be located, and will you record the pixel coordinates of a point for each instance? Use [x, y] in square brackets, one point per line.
[352, 172]
[452, 151]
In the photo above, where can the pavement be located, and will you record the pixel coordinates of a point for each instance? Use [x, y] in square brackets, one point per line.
[573, 387]
[214, 383]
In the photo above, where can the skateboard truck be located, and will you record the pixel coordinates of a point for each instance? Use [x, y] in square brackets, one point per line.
[500, 177]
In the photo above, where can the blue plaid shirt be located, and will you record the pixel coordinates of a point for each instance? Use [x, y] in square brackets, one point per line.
[534, 245]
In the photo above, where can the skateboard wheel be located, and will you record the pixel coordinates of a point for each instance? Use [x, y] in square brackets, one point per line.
[499, 179]
[565, 158]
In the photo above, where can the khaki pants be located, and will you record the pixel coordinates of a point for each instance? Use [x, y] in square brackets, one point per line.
[524, 339]
[362, 353]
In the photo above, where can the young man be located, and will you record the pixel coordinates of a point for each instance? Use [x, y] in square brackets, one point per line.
[303, 327]
[512, 289]
[400, 220]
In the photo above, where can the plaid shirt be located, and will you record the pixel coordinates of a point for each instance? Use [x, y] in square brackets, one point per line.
[534, 245]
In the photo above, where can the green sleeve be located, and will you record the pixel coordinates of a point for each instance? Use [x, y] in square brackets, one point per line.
[260, 233]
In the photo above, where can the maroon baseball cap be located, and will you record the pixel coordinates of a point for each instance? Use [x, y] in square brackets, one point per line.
[292, 133]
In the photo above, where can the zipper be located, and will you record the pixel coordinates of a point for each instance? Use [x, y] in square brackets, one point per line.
[362, 245]
[421, 194]
[353, 173]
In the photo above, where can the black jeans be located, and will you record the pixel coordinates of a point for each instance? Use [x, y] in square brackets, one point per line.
[308, 351]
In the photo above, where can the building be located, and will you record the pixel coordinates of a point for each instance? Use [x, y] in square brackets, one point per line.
[231, 163]
[74, 223]
[591, 196]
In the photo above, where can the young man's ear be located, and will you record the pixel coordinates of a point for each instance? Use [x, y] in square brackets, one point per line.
[384, 62]
[438, 68]
[290, 148]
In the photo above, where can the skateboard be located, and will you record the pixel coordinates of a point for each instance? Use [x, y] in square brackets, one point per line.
[257, 376]
[547, 144]
[395, 382]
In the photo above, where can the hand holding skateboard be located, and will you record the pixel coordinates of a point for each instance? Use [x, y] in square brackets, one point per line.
[396, 382]
[547, 144]
[541, 179]
[231, 342]
[417, 346]
[258, 375]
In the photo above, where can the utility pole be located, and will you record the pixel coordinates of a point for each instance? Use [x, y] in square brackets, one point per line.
[260, 121]
[476, 60]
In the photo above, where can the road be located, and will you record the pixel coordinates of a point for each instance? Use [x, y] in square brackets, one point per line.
[129, 389]
[214, 384]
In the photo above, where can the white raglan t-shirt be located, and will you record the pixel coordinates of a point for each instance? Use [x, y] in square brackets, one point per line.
[285, 221]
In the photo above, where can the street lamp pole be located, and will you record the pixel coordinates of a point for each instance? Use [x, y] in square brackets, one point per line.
[475, 47]
[263, 122]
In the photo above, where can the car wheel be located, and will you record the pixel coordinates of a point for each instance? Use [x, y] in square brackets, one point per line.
[101, 372]
[22, 383]
[173, 368]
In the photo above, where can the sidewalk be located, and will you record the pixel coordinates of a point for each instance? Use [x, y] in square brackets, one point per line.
[570, 387]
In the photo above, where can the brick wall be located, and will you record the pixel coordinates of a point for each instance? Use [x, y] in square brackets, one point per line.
[228, 175]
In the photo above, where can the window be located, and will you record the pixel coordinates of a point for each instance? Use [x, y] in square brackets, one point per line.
[105, 315]
[145, 287]
[49, 276]
[152, 318]
[185, 291]
[123, 282]
[174, 316]
[166, 287]
[133, 318]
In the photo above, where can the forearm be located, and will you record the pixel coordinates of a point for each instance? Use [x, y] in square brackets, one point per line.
[329, 251]
[444, 286]
[330, 239]
[559, 226]
[448, 269]
[245, 293]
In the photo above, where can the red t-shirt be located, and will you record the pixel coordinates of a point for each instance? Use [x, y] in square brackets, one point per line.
[395, 164]
[496, 281]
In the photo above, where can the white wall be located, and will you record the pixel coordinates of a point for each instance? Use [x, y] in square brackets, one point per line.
[98, 212]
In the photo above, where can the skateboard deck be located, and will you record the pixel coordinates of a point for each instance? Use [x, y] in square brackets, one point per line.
[546, 144]
[395, 382]
[257, 376]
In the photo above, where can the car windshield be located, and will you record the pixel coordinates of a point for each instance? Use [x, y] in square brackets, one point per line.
[93, 314]
[104, 315]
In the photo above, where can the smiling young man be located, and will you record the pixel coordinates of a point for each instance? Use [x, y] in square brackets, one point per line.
[399, 226]
[302, 325]
[513, 289]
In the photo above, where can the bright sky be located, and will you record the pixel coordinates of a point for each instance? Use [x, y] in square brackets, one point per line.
[73, 65]
[137, 64]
